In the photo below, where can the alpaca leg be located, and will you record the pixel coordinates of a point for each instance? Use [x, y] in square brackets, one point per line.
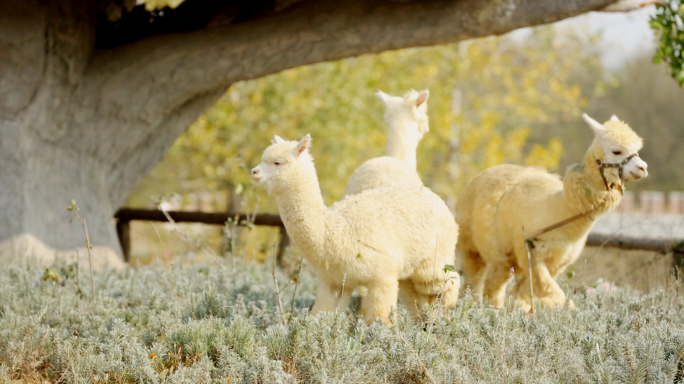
[521, 291]
[555, 269]
[564, 258]
[410, 299]
[433, 285]
[380, 301]
[546, 290]
[449, 295]
[551, 259]
[330, 297]
[419, 296]
[551, 293]
[496, 278]
[343, 300]
[473, 272]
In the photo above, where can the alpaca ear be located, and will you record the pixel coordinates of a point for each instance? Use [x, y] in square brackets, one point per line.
[595, 125]
[614, 118]
[303, 145]
[383, 96]
[422, 97]
[278, 140]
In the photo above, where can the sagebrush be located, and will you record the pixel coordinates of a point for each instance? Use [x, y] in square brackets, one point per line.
[210, 323]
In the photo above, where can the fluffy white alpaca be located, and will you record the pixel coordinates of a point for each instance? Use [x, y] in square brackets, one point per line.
[500, 201]
[407, 122]
[392, 241]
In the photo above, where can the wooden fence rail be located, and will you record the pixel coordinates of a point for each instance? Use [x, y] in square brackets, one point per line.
[125, 215]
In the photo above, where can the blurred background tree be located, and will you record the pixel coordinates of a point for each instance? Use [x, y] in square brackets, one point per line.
[643, 95]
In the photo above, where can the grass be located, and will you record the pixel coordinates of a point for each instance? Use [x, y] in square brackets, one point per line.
[208, 323]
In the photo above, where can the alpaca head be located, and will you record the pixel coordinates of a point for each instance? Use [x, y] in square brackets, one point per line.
[616, 143]
[411, 109]
[282, 163]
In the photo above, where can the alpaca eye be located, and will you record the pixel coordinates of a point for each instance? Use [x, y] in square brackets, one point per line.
[278, 162]
[617, 152]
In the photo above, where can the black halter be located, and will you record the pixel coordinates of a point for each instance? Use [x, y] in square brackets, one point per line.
[619, 166]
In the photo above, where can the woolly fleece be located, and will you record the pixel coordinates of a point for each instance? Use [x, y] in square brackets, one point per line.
[392, 242]
[407, 122]
[500, 201]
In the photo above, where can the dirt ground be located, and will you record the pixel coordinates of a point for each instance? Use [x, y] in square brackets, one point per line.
[643, 270]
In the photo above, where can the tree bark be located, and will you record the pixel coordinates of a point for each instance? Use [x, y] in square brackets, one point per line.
[86, 123]
[45, 49]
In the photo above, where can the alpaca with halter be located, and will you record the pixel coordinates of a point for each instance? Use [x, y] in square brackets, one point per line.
[505, 200]
[407, 122]
[390, 242]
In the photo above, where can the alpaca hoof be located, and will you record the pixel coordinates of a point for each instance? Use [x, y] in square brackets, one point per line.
[553, 303]
[525, 305]
[571, 304]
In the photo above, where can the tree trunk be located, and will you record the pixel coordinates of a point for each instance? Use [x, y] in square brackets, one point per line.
[44, 165]
[86, 123]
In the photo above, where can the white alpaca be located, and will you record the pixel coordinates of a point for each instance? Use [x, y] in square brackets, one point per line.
[500, 201]
[392, 241]
[407, 122]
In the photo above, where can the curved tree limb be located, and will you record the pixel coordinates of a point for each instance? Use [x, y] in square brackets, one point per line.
[315, 31]
[156, 77]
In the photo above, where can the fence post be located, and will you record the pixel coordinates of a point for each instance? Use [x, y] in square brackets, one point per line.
[123, 229]
[675, 202]
[678, 259]
[283, 243]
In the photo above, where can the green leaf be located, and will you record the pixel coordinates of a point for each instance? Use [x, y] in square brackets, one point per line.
[668, 26]
[450, 268]
[51, 275]
[358, 255]
[248, 224]
[72, 206]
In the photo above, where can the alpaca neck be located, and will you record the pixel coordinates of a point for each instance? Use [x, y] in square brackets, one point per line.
[303, 210]
[585, 189]
[402, 141]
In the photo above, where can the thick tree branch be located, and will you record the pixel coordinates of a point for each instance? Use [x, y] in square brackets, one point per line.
[194, 62]
[628, 5]
[125, 171]
[145, 82]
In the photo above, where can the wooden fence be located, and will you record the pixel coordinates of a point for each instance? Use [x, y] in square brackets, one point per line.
[125, 215]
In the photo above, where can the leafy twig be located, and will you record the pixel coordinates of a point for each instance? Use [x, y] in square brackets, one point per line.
[73, 208]
[344, 281]
[166, 257]
[294, 294]
[277, 288]
[184, 236]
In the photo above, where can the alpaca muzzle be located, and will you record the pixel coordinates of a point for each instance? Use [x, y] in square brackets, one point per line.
[641, 170]
[256, 174]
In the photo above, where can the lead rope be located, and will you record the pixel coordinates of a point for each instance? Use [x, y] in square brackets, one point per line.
[531, 263]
